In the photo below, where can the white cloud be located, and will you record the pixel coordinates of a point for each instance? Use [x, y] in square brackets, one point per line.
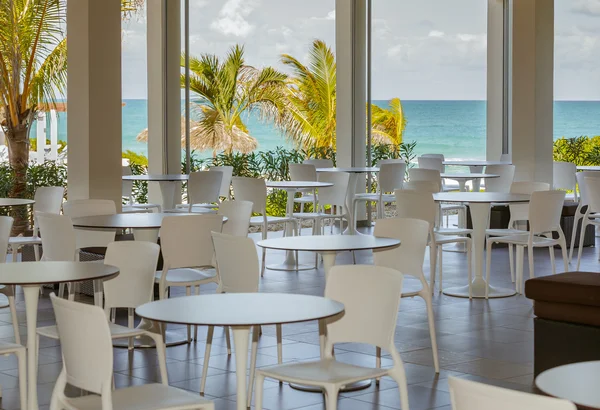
[232, 18]
[330, 15]
[436, 33]
[587, 7]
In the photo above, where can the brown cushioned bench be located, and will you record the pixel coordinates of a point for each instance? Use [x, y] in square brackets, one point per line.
[567, 323]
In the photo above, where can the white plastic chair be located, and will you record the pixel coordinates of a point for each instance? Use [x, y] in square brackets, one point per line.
[238, 215]
[319, 163]
[127, 193]
[563, 177]
[133, 287]
[408, 258]
[187, 253]
[333, 196]
[87, 238]
[503, 182]
[92, 349]
[21, 353]
[545, 209]
[227, 171]
[469, 395]
[255, 190]
[420, 205]
[47, 200]
[390, 178]
[203, 190]
[304, 172]
[436, 161]
[371, 296]
[6, 223]
[237, 275]
[433, 175]
[506, 157]
[591, 187]
[583, 202]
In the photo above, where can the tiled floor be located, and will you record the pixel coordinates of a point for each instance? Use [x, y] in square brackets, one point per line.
[491, 341]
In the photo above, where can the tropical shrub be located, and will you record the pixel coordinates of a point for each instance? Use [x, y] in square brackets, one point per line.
[581, 150]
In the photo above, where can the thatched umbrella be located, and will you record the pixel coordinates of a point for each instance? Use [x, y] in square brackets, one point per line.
[217, 139]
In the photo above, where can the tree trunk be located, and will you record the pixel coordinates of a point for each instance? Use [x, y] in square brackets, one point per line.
[17, 141]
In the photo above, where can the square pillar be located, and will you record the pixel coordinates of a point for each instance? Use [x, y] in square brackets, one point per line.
[164, 91]
[495, 80]
[94, 99]
[351, 74]
[532, 89]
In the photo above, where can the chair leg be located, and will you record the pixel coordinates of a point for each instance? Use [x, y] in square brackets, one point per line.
[13, 316]
[209, 338]
[36, 252]
[258, 391]
[519, 268]
[61, 290]
[264, 258]
[253, 352]
[573, 235]
[470, 266]
[161, 351]
[130, 325]
[331, 398]
[584, 224]
[441, 265]
[511, 261]
[431, 320]
[399, 376]
[488, 265]
[551, 251]
[377, 362]
[279, 344]
[563, 249]
[21, 360]
[227, 339]
[432, 265]
[188, 292]
[530, 260]
[196, 326]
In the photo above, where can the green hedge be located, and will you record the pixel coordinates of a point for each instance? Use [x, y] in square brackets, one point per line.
[582, 150]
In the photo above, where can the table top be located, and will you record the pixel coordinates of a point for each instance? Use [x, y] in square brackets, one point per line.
[355, 170]
[157, 177]
[127, 220]
[329, 243]
[475, 163]
[298, 184]
[40, 273]
[240, 309]
[15, 201]
[480, 197]
[467, 175]
[588, 168]
[576, 382]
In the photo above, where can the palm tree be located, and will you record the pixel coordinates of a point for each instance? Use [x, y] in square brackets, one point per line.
[33, 71]
[311, 118]
[227, 91]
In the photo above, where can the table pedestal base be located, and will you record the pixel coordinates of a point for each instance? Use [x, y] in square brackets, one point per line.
[351, 387]
[171, 339]
[290, 264]
[478, 291]
[3, 301]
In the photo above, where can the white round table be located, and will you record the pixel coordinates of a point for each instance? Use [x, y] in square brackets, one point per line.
[291, 187]
[462, 178]
[329, 245]
[167, 183]
[352, 187]
[30, 276]
[240, 311]
[479, 205]
[576, 382]
[475, 166]
[588, 168]
[4, 202]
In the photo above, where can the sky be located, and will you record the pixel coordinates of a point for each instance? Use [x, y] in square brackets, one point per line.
[422, 50]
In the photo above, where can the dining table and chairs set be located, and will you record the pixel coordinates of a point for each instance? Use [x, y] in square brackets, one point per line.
[204, 240]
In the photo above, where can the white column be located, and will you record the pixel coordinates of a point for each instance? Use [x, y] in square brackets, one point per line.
[532, 86]
[350, 48]
[41, 136]
[94, 99]
[53, 135]
[164, 91]
[495, 79]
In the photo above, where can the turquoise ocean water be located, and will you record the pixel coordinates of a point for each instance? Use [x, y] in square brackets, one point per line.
[454, 128]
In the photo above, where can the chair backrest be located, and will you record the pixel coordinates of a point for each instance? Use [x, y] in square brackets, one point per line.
[427, 186]
[227, 172]
[391, 176]
[422, 174]
[252, 190]
[86, 344]
[563, 176]
[204, 187]
[237, 263]
[58, 237]
[416, 205]
[6, 223]
[545, 210]
[505, 158]
[319, 163]
[186, 242]
[428, 161]
[336, 194]
[134, 285]
[127, 185]
[503, 182]
[238, 215]
[86, 238]
[390, 161]
[408, 257]
[581, 184]
[592, 188]
[528, 187]
[48, 199]
[367, 292]
[469, 395]
[303, 172]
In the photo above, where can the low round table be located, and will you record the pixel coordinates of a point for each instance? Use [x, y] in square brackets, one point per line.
[240, 311]
[329, 245]
[462, 178]
[588, 168]
[475, 166]
[576, 382]
[354, 173]
[167, 183]
[291, 187]
[15, 202]
[30, 276]
[479, 205]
